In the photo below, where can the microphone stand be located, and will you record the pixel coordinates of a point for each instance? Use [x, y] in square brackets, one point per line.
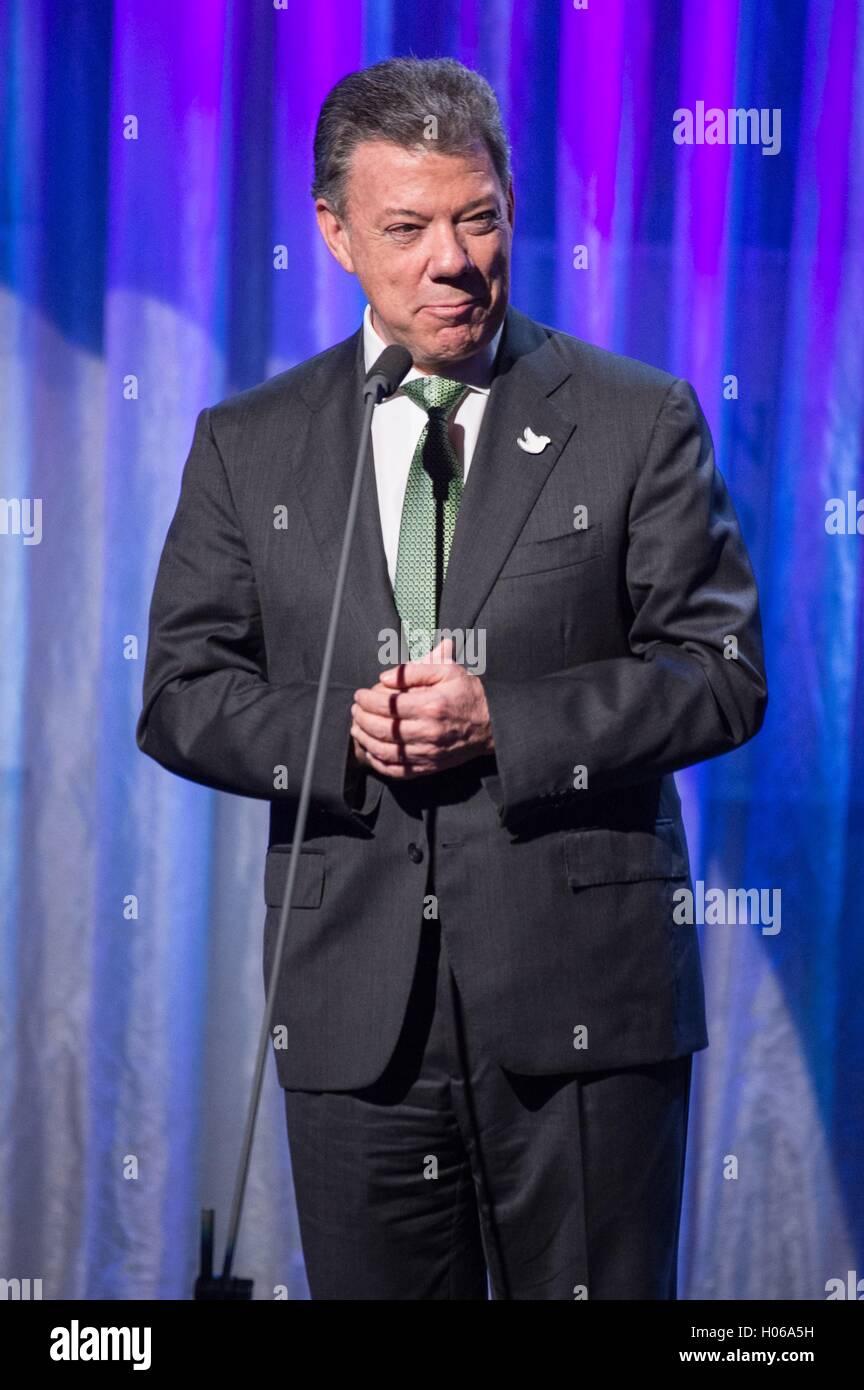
[382, 380]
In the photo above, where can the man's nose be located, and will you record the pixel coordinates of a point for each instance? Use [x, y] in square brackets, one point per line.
[448, 256]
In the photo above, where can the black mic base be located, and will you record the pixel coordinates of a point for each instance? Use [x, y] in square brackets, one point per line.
[209, 1287]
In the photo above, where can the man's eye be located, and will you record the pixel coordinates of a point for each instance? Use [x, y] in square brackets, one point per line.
[405, 227]
[490, 215]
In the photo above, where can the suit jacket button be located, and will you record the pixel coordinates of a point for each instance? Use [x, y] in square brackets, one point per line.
[415, 853]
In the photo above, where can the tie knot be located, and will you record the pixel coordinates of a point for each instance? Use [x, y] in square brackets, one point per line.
[434, 392]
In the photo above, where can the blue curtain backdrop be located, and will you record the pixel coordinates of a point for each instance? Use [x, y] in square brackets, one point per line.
[153, 156]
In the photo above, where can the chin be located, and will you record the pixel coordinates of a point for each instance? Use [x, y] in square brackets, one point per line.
[459, 341]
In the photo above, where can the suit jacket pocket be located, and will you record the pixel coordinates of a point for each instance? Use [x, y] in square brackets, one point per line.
[624, 856]
[532, 556]
[309, 885]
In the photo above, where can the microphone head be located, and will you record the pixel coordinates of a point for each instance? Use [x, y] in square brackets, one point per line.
[388, 372]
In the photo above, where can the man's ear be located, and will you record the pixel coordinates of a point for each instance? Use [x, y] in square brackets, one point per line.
[511, 204]
[334, 230]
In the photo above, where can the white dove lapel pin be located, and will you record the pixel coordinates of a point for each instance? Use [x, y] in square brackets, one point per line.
[533, 443]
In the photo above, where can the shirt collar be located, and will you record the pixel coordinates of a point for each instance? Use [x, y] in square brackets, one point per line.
[476, 371]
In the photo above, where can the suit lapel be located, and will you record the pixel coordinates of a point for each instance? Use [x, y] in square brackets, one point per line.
[503, 481]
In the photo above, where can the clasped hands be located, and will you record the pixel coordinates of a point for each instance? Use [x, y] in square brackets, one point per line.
[421, 717]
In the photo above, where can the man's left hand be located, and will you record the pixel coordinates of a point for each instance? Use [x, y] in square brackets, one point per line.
[421, 717]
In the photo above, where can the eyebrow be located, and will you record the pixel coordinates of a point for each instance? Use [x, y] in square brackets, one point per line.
[410, 212]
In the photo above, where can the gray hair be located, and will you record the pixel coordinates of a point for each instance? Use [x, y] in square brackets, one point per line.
[431, 102]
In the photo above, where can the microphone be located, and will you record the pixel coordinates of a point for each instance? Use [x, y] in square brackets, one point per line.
[381, 381]
[385, 375]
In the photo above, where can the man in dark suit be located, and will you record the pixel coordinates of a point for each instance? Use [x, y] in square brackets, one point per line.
[489, 1014]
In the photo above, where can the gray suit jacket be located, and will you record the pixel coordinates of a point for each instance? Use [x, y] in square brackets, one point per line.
[607, 648]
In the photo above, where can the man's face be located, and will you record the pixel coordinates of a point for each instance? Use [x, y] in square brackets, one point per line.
[428, 236]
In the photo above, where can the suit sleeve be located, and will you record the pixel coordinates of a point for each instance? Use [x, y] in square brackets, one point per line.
[209, 712]
[686, 692]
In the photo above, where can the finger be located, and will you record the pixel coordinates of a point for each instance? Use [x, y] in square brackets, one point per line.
[392, 729]
[410, 673]
[401, 704]
[423, 671]
[421, 752]
[444, 650]
[381, 726]
[398, 771]
[385, 751]
[360, 753]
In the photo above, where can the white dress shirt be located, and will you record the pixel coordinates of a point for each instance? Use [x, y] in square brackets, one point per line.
[398, 423]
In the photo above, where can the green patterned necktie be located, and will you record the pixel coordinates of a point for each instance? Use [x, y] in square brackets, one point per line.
[429, 510]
